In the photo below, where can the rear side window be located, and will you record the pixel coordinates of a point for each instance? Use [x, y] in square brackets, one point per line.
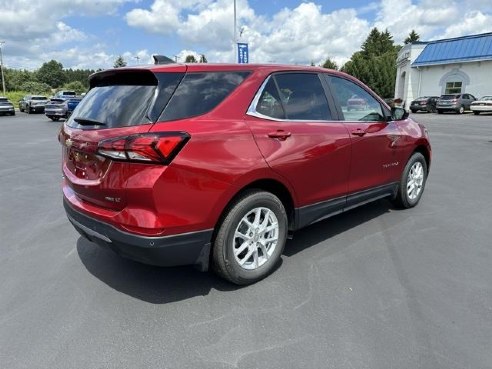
[303, 96]
[199, 93]
[293, 96]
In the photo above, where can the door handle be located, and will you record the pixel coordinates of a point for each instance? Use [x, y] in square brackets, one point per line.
[359, 132]
[280, 134]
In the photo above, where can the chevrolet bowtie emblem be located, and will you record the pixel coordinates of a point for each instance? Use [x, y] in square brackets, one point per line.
[68, 142]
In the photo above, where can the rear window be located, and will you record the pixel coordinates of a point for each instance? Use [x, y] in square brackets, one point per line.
[125, 99]
[449, 97]
[199, 93]
[39, 98]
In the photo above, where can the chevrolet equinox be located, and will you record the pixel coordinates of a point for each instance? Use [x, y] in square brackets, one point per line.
[215, 165]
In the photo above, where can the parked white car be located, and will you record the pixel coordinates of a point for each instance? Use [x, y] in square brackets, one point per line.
[482, 105]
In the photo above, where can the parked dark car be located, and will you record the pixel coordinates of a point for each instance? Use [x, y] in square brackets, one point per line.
[6, 107]
[424, 103]
[457, 103]
[216, 164]
[33, 103]
[61, 107]
[482, 105]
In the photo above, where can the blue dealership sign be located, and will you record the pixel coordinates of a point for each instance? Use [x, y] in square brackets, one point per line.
[242, 53]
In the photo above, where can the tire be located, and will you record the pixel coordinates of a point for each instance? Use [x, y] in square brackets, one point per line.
[414, 111]
[476, 112]
[439, 111]
[20, 109]
[244, 259]
[412, 182]
[28, 109]
[461, 110]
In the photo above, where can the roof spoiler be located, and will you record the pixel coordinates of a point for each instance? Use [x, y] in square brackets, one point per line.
[161, 59]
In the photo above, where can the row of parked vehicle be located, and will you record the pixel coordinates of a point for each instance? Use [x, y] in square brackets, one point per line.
[59, 106]
[452, 103]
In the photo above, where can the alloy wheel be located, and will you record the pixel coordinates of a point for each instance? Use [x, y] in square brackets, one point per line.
[255, 238]
[415, 180]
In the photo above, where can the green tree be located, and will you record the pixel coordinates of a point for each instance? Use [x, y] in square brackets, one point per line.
[375, 64]
[79, 75]
[15, 78]
[51, 73]
[119, 62]
[412, 37]
[76, 86]
[330, 64]
[190, 59]
[37, 88]
[377, 43]
[203, 59]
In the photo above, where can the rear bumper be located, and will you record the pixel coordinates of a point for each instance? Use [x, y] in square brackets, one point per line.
[484, 108]
[182, 249]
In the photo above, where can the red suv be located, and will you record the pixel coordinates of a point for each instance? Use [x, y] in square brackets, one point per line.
[217, 164]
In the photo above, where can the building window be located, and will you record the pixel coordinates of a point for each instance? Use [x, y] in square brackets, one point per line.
[453, 87]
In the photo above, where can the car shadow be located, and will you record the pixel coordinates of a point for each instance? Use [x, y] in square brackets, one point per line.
[331, 227]
[156, 285]
[159, 285]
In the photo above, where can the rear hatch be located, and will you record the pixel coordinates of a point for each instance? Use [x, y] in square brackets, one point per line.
[108, 134]
[54, 103]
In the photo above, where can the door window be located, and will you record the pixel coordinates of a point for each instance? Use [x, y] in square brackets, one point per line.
[294, 96]
[356, 103]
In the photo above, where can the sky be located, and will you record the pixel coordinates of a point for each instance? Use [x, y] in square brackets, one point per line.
[91, 34]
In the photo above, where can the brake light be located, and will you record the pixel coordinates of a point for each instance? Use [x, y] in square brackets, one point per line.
[148, 147]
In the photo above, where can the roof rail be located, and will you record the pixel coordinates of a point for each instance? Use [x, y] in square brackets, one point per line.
[161, 59]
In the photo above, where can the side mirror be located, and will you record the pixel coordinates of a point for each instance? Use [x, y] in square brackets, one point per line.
[399, 114]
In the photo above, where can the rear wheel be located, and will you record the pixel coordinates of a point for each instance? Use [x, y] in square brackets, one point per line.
[461, 110]
[412, 182]
[251, 238]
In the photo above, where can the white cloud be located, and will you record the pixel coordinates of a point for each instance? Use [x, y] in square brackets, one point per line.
[39, 31]
[298, 35]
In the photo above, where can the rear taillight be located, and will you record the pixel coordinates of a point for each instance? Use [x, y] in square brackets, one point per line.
[144, 148]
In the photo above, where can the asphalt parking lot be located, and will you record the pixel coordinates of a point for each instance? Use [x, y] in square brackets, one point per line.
[373, 288]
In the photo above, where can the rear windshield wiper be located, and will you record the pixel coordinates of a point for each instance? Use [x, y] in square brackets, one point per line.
[88, 122]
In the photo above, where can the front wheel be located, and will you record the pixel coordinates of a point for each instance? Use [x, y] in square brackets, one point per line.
[412, 182]
[461, 110]
[414, 111]
[251, 238]
[439, 111]
[476, 112]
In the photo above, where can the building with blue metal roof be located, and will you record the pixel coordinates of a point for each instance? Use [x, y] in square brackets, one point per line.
[454, 65]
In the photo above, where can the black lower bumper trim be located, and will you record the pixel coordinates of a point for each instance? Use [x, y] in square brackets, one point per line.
[181, 249]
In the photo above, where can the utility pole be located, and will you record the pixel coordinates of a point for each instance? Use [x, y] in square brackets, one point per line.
[1, 67]
[235, 30]
[137, 58]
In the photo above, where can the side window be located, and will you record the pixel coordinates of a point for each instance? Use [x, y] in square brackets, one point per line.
[357, 104]
[303, 96]
[199, 93]
[269, 103]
